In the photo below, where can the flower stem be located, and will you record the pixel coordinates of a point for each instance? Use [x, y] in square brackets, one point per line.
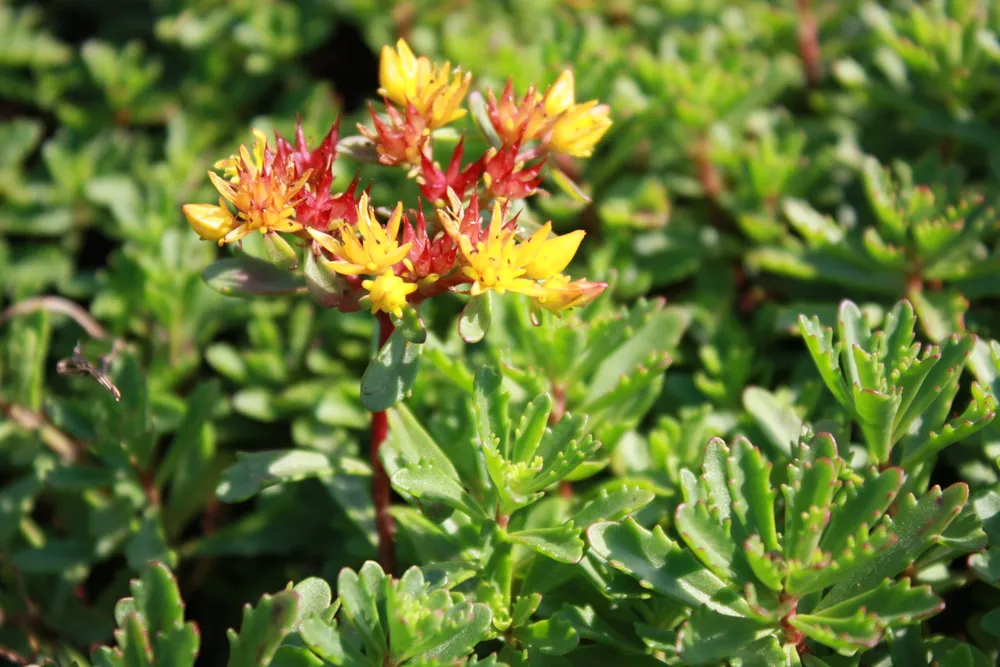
[381, 490]
[809, 50]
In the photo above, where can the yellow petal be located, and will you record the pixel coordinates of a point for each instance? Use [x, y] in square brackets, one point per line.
[560, 294]
[328, 242]
[209, 221]
[394, 220]
[527, 250]
[225, 189]
[554, 255]
[397, 255]
[344, 268]
[390, 76]
[407, 61]
[561, 96]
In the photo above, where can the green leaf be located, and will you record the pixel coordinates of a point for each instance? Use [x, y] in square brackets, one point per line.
[474, 321]
[659, 334]
[361, 595]
[54, 557]
[322, 639]
[254, 471]
[964, 534]
[906, 646]
[248, 276]
[315, 596]
[768, 652]
[524, 607]
[979, 414]
[481, 118]
[991, 622]
[703, 531]
[986, 565]
[841, 634]
[709, 637]
[325, 286]
[768, 567]
[411, 325]
[819, 341]
[390, 375]
[157, 599]
[531, 429]
[561, 543]
[294, 656]
[752, 495]
[808, 509]
[492, 420]
[613, 505]
[135, 643]
[860, 504]
[426, 481]
[715, 476]
[659, 564]
[279, 252]
[353, 493]
[917, 524]
[862, 551]
[465, 636]
[891, 602]
[987, 507]
[551, 636]
[149, 544]
[413, 443]
[567, 185]
[778, 421]
[951, 357]
[875, 413]
[263, 629]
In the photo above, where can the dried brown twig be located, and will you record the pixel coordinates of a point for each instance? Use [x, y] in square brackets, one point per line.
[77, 364]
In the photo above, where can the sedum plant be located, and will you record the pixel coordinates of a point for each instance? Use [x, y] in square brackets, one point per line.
[785, 572]
[897, 393]
[356, 258]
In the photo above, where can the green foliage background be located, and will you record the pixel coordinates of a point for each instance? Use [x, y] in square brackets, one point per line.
[740, 182]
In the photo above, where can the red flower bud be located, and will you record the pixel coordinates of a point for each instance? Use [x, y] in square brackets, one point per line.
[402, 142]
[507, 177]
[434, 183]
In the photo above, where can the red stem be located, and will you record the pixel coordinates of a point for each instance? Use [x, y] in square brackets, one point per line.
[809, 43]
[381, 490]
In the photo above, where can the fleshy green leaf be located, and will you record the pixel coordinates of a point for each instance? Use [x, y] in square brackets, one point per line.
[916, 526]
[263, 629]
[561, 543]
[706, 535]
[411, 325]
[248, 276]
[613, 505]
[659, 564]
[552, 636]
[474, 321]
[708, 637]
[254, 471]
[279, 252]
[426, 481]
[750, 488]
[360, 594]
[390, 375]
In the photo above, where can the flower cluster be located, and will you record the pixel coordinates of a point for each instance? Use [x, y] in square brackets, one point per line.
[391, 262]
